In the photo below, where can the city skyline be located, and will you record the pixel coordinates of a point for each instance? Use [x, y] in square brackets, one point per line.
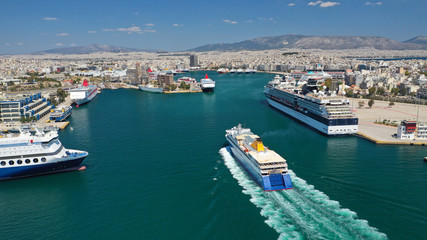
[177, 26]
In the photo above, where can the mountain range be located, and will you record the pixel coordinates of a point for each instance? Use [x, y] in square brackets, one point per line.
[276, 42]
[317, 42]
[92, 49]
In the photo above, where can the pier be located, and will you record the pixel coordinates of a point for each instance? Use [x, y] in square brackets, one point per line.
[380, 111]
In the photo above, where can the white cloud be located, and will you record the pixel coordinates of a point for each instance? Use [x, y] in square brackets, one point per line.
[177, 25]
[291, 4]
[50, 19]
[108, 30]
[150, 30]
[229, 21]
[149, 24]
[59, 44]
[73, 45]
[129, 29]
[323, 4]
[63, 34]
[8, 44]
[19, 44]
[373, 3]
[91, 31]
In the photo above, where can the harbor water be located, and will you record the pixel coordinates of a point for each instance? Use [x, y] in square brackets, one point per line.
[159, 168]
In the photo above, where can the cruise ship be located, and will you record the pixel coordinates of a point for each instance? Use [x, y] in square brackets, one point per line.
[34, 152]
[60, 113]
[321, 110]
[207, 84]
[83, 94]
[267, 168]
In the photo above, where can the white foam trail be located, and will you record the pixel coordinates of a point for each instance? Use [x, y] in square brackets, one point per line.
[303, 212]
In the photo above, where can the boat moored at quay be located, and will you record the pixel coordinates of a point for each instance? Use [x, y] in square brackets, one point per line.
[83, 94]
[33, 152]
[207, 84]
[267, 168]
[150, 88]
[59, 114]
[321, 110]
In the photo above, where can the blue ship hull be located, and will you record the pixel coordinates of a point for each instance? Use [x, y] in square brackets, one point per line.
[61, 118]
[40, 169]
[273, 182]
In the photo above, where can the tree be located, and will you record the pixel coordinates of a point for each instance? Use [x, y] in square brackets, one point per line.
[372, 90]
[349, 92]
[361, 104]
[402, 91]
[328, 83]
[394, 91]
[371, 102]
[380, 91]
[10, 83]
[391, 104]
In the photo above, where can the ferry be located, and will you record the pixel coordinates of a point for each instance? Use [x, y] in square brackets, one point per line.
[321, 110]
[33, 152]
[60, 113]
[267, 168]
[150, 88]
[207, 84]
[83, 94]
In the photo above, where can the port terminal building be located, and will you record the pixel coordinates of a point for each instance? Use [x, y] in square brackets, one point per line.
[13, 107]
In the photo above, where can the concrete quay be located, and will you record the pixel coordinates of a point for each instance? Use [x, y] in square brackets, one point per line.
[381, 110]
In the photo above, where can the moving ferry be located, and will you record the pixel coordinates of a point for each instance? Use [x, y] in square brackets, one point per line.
[267, 168]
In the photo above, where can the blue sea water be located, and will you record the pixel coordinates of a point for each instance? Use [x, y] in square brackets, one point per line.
[158, 168]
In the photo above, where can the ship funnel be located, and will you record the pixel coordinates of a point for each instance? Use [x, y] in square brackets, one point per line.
[206, 76]
[85, 84]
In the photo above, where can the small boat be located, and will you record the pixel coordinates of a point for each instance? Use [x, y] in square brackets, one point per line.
[60, 113]
[425, 159]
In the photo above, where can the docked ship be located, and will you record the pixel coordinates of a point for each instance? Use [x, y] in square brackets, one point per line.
[60, 113]
[150, 88]
[240, 71]
[233, 70]
[207, 84]
[83, 94]
[33, 152]
[321, 110]
[267, 168]
[223, 70]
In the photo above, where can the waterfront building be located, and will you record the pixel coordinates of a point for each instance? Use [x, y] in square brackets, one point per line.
[14, 107]
[165, 79]
[406, 130]
[194, 60]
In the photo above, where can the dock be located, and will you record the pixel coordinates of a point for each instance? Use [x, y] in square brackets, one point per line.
[382, 134]
[183, 91]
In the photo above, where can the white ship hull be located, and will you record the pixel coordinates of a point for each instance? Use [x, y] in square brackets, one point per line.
[151, 89]
[78, 100]
[323, 128]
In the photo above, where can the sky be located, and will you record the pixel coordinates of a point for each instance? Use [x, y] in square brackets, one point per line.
[37, 25]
